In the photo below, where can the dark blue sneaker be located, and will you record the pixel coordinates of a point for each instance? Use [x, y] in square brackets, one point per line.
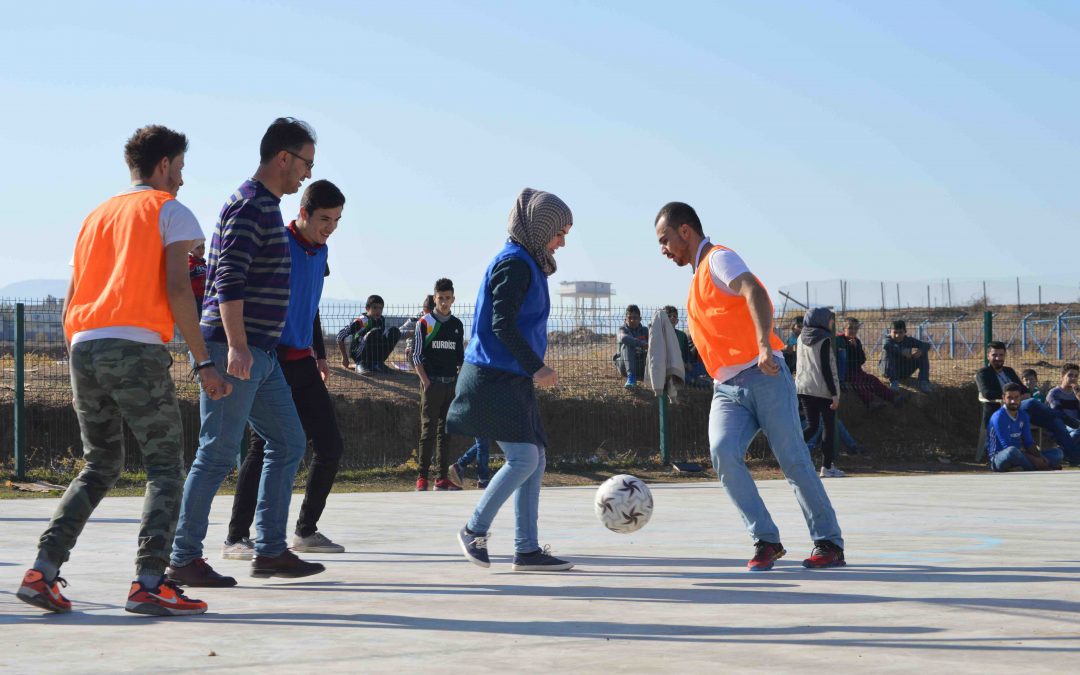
[539, 561]
[474, 546]
[483, 482]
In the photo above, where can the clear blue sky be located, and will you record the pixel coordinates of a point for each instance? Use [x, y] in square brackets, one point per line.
[863, 140]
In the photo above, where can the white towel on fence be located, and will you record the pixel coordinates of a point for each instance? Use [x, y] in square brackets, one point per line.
[664, 365]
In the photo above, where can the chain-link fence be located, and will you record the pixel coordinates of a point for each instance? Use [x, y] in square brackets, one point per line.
[589, 414]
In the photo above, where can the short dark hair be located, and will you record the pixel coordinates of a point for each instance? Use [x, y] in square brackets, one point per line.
[285, 133]
[852, 321]
[151, 144]
[996, 344]
[797, 319]
[1012, 386]
[1029, 371]
[677, 213]
[443, 285]
[322, 194]
[429, 303]
[633, 309]
[374, 300]
[899, 324]
[671, 309]
[1069, 366]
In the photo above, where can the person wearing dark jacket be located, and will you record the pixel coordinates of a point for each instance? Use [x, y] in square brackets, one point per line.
[991, 381]
[865, 385]
[903, 355]
[504, 362]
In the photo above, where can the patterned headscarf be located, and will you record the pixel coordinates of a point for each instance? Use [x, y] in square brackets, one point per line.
[535, 219]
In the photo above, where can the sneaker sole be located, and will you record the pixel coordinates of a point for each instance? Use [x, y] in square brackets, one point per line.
[543, 568]
[40, 601]
[211, 584]
[812, 566]
[150, 609]
[237, 556]
[476, 561]
[317, 549]
[292, 574]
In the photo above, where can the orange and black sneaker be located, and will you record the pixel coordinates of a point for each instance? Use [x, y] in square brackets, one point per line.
[35, 590]
[165, 600]
[765, 554]
[825, 554]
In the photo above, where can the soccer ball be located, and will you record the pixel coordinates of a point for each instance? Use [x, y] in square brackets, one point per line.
[624, 504]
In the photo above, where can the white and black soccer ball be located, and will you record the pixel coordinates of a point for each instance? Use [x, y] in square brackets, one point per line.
[624, 504]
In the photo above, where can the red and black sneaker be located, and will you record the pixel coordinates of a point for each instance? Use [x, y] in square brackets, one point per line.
[36, 591]
[166, 599]
[825, 554]
[765, 554]
[444, 485]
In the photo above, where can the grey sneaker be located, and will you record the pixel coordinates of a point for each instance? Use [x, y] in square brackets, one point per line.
[539, 561]
[456, 474]
[316, 543]
[241, 550]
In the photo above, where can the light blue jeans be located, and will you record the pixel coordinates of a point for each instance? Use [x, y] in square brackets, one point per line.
[519, 476]
[741, 406]
[264, 401]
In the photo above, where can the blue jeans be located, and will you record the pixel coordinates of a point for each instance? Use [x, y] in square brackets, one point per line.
[264, 401]
[1012, 456]
[741, 406]
[846, 438]
[478, 453]
[1053, 421]
[519, 476]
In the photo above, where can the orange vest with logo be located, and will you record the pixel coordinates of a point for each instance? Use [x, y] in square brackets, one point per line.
[119, 268]
[720, 322]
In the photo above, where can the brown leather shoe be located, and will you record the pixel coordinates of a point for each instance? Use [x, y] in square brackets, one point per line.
[286, 565]
[198, 573]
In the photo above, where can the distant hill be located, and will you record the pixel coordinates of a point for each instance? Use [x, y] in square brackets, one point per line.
[32, 289]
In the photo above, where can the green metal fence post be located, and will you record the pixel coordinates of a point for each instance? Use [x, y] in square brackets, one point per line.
[988, 335]
[20, 392]
[665, 453]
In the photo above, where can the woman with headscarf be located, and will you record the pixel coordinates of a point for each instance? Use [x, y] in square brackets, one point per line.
[496, 396]
[816, 383]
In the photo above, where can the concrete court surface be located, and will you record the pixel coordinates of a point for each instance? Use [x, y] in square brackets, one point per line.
[947, 573]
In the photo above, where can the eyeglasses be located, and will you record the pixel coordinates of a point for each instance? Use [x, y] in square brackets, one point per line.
[310, 162]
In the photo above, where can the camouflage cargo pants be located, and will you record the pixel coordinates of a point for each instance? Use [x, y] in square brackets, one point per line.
[113, 379]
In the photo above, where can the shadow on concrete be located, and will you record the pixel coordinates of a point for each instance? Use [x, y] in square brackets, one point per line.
[45, 519]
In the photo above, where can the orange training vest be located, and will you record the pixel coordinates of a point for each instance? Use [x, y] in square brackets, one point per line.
[720, 322]
[119, 274]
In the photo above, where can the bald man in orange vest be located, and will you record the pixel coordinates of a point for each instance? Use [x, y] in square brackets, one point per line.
[730, 320]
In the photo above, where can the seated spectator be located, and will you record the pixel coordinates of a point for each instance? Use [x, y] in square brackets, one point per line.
[692, 365]
[866, 386]
[902, 356]
[1063, 401]
[370, 341]
[633, 347]
[992, 380]
[790, 342]
[1031, 381]
[1009, 442]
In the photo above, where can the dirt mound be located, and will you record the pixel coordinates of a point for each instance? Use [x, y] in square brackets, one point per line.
[578, 336]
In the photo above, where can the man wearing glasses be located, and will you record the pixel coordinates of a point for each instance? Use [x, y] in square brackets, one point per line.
[244, 310]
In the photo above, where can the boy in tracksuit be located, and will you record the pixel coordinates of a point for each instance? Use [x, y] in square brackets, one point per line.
[438, 352]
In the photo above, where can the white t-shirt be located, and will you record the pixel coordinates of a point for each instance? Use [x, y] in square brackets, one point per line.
[724, 267]
[176, 223]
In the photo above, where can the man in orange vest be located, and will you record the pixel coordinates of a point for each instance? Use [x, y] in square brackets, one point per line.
[128, 287]
[730, 320]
